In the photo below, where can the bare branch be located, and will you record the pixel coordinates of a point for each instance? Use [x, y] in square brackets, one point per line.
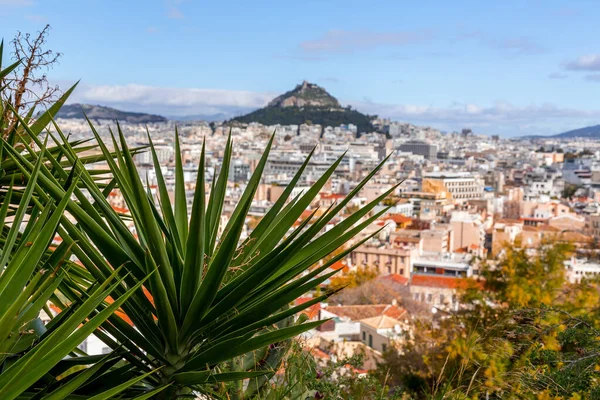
[27, 86]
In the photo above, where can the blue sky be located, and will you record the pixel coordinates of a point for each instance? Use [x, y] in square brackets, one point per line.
[500, 67]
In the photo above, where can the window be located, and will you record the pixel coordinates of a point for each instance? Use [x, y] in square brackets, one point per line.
[364, 335]
[370, 340]
[383, 348]
[401, 271]
[442, 299]
[429, 297]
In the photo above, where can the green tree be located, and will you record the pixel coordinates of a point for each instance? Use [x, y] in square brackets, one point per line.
[526, 333]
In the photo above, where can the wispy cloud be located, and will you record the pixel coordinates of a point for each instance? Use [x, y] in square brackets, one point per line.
[508, 45]
[557, 75]
[343, 41]
[152, 29]
[588, 62]
[518, 46]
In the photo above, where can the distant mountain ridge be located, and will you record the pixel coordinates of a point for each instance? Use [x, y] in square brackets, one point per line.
[307, 103]
[590, 132]
[587, 132]
[76, 111]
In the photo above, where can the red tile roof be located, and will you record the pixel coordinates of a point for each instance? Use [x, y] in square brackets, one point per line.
[398, 218]
[336, 266]
[333, 196]
[311, 312]
[318, 353]
[397, 278]
[443, 282]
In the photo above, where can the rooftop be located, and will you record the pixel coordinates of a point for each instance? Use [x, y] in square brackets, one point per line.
[380, 322]
[359, 312]
[443, 282]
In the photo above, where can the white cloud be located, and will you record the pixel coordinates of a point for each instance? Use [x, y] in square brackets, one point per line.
[342, 41]
[171, 101]
[521, 46]
[588, 62]
[501, 117]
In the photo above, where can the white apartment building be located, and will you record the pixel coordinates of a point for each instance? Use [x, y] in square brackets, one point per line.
[463, 186]
[164, 153]
[579, 268]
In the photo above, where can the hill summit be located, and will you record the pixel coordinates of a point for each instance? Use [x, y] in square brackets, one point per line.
[306, 95]
[307, 103]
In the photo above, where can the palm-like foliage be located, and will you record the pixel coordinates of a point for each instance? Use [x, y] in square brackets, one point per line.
[32, 355]
[212, 298]
[42, 361]
[195, 305]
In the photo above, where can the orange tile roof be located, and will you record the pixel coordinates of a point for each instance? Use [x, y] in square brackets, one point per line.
[396, 278]
[305, 214]
[336, 266]
[358, 312]
[333, 196]
[394, 312]
[302, 300]
[398, 218]
[311, 312]
[443, 282]
[319, 353]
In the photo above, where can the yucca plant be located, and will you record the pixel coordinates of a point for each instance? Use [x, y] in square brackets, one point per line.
[212, 298]
[37, 360]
